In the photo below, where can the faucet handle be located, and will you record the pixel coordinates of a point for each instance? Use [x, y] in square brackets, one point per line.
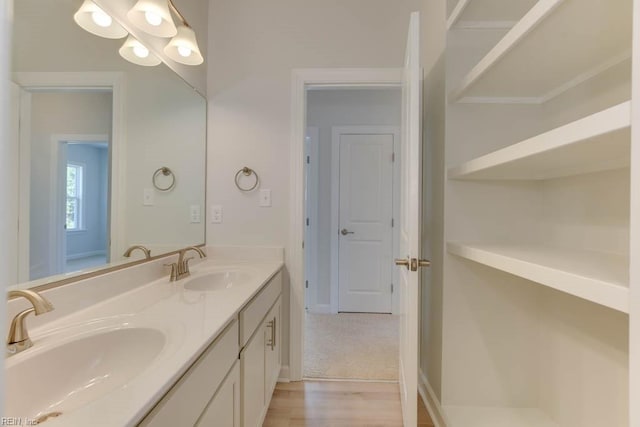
[174, 271]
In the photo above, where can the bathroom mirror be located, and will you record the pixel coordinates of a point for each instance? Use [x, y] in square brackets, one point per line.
[108, 154]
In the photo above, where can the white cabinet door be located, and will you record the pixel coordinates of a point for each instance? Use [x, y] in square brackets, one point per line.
[224, 408]
[252, 372]
[272, 350]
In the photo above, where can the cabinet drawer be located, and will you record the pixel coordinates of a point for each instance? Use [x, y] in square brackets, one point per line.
[189, 397]
[251, 316]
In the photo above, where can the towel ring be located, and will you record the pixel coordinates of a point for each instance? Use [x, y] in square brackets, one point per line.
[246, 172]
[166, 172]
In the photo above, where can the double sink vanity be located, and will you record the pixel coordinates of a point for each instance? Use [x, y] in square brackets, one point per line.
[203, 351]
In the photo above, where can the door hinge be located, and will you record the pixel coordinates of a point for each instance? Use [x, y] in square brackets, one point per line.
[307, 222]
[308, 159]
[393, 157]
[392, 223]
[392, 288]
[306, 284]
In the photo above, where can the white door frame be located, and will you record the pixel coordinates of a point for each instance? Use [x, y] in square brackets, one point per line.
[82, 82]
[311, 237]
[336, 131]
[303, 79]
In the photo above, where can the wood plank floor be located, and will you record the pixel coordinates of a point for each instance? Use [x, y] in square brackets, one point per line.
[339, 404]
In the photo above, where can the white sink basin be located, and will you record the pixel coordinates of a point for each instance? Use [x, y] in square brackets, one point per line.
[65, 377]
[217, 281]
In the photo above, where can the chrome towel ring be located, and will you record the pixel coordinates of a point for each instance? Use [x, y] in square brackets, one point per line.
[246, 172]
[165, 171]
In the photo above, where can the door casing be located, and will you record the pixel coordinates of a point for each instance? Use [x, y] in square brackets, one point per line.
[303, 79]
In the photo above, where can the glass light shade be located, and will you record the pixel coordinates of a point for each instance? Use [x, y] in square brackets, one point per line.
[183, 47]
[153, 17]
[96, 21]
[134, 51]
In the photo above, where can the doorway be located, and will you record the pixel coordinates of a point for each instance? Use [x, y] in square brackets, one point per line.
[350, 201]
[83, 202]
[66, 152]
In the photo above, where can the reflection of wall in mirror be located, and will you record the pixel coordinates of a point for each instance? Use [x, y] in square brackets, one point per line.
[165, 122]
[56, 114]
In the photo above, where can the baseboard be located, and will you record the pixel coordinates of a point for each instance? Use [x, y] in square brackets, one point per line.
[430, 400]
[320, 309]
[85, 255]
[284, 377]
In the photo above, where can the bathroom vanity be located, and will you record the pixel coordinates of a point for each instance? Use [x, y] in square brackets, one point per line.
[202, 351]
[218, 389]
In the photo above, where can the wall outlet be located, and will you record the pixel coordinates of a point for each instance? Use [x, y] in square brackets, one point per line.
[265, 198]
[216, 214]
[148, 197]
[194, 214]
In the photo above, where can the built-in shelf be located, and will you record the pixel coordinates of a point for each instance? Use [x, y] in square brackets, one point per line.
[557, 45]
[488, 13]
[595, 143]
[602, 278]
[464, 416]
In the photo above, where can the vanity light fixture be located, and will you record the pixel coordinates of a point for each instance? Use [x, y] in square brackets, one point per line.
[153, 17]
[183, 47]
[96, 21]
[134, 51]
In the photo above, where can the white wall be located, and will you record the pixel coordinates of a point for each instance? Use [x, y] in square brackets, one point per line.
[253, 46]
[56, 114]
[327, 108]
[433, 43]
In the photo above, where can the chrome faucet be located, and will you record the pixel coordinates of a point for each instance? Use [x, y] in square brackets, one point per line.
[180, 269]
[147, 252]
[18, 339]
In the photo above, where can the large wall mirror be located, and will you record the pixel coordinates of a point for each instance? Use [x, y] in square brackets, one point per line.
[108, 154]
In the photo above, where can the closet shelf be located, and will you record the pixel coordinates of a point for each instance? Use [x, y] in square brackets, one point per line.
[488, 13]
[463, 416]
[602, 278]
[557, 45]
[595, 143]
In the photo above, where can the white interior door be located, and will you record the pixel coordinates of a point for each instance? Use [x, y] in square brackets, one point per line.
[409, 224]
[365, 230]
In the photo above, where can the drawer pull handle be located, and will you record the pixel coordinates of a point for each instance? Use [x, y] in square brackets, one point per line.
[271, 342]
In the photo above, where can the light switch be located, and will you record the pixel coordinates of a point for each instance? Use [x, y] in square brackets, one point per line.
[216, 214]
[194, 214]
[265, 198]
[148, 197]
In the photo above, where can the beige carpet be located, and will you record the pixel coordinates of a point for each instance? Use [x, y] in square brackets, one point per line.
[351, 346]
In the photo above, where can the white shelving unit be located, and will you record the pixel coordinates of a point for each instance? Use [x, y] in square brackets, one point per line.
[462, 416]
[596, 143]
[552, 211]
[600, 38]
[602, 278]
[488, 13]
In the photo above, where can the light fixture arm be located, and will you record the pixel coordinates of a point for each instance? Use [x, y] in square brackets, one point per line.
[176, 12]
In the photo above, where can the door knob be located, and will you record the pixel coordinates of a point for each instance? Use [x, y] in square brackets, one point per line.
[424, 263]
[402, 262]
[344, 232]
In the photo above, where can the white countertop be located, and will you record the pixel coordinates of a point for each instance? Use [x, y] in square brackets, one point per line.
[190, 320]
